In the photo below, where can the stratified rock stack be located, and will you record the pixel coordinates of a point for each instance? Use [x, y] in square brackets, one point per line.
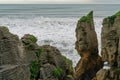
[54, 66]
[12, 65]
[110, 48]
[30, 47]
[87, 47]
[25, 60]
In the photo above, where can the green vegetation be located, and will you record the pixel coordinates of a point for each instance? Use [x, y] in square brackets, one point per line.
[117, 71]
[84, 19]
[35, 65]
[5, 28]
[57, 72]
[32, 38]
[90, 16]
[38, 52]
[112, 18]
[117, 14]
[68, 65]
[87, 18]
[29, 41]
[34, 69]
[65, 59]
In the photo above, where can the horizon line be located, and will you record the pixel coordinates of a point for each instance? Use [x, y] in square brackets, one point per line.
[59, 3]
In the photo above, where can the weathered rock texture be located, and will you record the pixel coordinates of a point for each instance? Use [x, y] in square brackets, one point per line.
[110, 48]
[30, 47]
[51, 59]
[87, 47]
[25, 60]
[12, 65]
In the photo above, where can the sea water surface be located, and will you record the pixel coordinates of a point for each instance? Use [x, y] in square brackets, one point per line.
[53, 24]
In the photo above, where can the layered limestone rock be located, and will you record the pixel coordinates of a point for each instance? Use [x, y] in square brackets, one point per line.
[110, 48]
[30, 47]
[25, 60]
[54, 66]
[87, 47]
[12, 65]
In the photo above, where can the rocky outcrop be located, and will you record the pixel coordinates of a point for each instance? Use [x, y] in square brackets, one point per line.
[87, 47]
[30, 47]
[110, 48]
[54, 66]
[12, 65]
[25, 60]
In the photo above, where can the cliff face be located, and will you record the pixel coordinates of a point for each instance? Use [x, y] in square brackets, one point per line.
[110, 48]
[87, 47]
[25, 60]
[12, 65]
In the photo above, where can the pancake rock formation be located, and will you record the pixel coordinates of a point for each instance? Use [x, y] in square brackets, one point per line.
[110, 48]
[23, 59]
[12, 65]
[87, 48]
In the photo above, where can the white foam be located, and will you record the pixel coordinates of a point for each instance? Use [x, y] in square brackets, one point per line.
[59, 32]
[98, 28]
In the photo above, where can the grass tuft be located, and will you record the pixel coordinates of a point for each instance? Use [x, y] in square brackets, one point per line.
[57, 72]
[34, 69]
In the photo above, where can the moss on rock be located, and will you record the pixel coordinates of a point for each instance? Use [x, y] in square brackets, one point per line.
[32, 38]
[28, 38]
[117, 14]
[34, 69]
[57, 72]
[29, 41]
[68, 66]
[4, 28]
[112, 18]
[87, 18]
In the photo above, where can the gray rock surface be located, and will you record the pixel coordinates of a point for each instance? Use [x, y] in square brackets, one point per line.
[52, 59]
[12, 65]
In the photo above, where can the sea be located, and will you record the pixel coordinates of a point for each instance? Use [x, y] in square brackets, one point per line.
[54, 24]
